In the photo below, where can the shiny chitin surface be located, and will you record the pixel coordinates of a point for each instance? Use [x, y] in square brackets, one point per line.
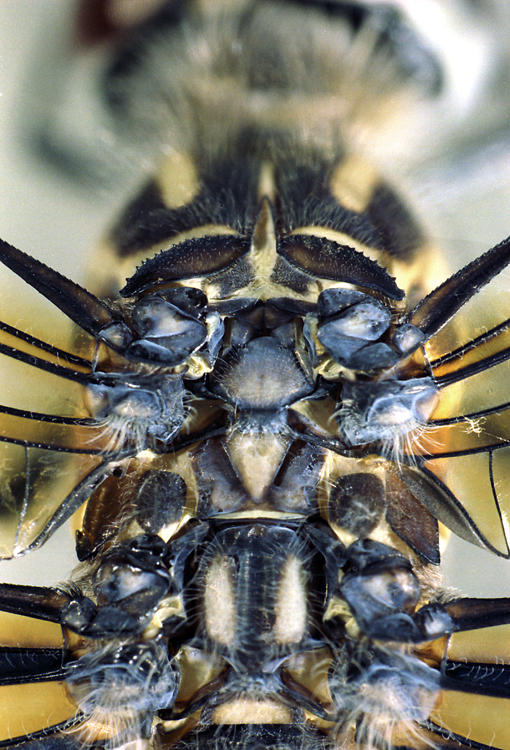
[266, 426]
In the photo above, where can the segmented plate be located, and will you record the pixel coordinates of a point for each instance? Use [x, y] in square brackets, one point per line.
[268, 430]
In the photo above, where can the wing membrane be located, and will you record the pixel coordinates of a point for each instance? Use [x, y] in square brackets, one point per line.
[33, 710]
[473, 708]
[39, 377]
[465, 715]
[40, 488]
[51, 453]
[464, 449]
[481, 483]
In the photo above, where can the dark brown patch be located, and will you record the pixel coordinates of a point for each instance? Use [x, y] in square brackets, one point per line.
[356, 503]
[401, 235]
[201, 256]
[411, 521]
[325, 259]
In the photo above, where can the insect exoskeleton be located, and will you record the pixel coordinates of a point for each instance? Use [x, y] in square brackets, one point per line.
[255, 528]
[270, 402]
[261, 532]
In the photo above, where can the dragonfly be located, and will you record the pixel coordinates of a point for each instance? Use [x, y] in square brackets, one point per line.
[265, 420]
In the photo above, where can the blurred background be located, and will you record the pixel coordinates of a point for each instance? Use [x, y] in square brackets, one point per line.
[462, 192]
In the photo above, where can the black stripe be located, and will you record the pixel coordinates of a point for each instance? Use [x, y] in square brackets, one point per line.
[21, 665]
[227, 197]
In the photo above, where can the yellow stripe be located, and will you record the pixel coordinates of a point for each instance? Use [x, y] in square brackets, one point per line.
[33, 707]
[27, 632]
